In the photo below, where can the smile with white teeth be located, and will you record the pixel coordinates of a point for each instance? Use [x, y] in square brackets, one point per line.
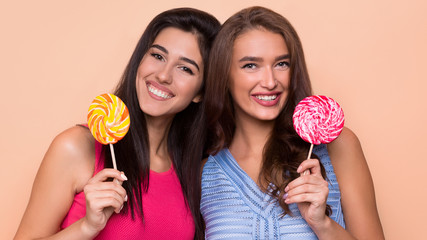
[158, 92]
[266, 97]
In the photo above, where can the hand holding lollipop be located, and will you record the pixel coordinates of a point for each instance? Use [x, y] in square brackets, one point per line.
[318, 119]
[108, 120]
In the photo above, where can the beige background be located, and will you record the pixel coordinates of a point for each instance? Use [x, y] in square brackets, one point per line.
[370, 56]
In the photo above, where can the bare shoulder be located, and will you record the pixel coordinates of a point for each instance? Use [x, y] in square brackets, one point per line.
[347, 146]
[346, 140]
[72, 150]
[76, 140]
[347, 158]
[65, 169]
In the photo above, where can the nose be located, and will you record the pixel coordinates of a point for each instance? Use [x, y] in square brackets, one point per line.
[269, 81]
[163, 74]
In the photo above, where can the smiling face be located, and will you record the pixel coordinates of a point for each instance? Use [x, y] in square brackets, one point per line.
[259, 74]
[170, 74]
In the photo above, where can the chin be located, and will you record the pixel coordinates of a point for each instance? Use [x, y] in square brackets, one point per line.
[267, 117]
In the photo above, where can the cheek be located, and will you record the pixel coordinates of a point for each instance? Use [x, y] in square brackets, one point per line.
[139, 71]
[147, 64]
[188, 87]
[232, 87]
[236, 81]
[285, 78]
[237, 93]
[142, 66]
[194, 89]
[138, 80]
[242, 83]
[196, 84]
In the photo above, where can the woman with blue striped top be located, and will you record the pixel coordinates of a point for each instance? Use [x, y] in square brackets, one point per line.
[252, 186]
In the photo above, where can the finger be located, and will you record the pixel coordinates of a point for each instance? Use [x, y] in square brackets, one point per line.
[317, 188]
[106, 173]
[107, 202]
[98, 200]
[313, 198]
[307, 188]
[304, 179]
[309, 166]
[101, 187]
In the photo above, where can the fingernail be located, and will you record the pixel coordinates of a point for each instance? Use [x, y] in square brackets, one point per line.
[299, 169]
[124, 176]
[126, 198]
[285, 196]
[286, 189]
[121, 208]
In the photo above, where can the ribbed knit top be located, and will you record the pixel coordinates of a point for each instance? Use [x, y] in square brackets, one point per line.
[234, 207]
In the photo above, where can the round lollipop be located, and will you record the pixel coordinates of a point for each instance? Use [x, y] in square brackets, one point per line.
[108, 120]
[318, 119]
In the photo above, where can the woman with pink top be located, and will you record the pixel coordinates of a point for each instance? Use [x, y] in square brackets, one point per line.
[154, 195]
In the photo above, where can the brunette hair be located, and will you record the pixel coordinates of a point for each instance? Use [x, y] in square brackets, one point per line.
[284, 150]
[187, 131]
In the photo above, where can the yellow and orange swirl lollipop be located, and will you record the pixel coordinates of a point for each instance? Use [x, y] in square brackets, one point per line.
[108, 120]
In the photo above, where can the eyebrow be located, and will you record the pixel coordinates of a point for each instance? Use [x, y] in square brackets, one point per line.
[282, 57]
[190, 62]
[258, 59]
[185, 59]
[250, 59]
[161, 48]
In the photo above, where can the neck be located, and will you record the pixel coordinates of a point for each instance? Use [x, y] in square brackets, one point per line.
[158, 129]
[247, 146]
[250, 136]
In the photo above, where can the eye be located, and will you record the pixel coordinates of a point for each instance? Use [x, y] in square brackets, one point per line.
[157, 56]
[186, 69]
[250, 66]
[283, 65]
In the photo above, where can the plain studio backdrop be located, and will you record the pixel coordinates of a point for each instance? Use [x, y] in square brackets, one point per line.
[370, 56]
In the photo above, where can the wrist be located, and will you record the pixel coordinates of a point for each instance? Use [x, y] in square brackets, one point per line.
[87, 230]
[321, 226]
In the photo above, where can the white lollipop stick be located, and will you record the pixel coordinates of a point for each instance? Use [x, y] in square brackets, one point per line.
[311, 150]
[113, 156]
[307, 172]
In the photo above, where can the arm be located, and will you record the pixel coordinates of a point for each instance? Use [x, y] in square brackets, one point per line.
[65, 170]
[357, 193]
[356, 186]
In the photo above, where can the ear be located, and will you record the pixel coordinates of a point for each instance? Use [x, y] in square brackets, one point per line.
[198, 98]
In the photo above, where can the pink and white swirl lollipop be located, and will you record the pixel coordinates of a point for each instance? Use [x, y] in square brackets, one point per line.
[318, 119]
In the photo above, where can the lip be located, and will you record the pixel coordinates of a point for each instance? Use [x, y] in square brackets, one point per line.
[264, 102]
[161, 88]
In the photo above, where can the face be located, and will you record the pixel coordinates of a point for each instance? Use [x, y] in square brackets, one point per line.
[259, 75]
[170, 74]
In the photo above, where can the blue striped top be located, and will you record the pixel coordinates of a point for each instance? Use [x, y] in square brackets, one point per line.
[233, 206]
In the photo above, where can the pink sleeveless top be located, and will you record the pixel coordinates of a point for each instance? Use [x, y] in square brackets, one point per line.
[166, 215]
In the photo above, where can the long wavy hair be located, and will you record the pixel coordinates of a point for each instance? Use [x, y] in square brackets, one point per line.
[186, 136]
[284, 150]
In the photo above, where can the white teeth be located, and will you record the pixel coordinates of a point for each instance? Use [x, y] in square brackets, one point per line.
[158, 92]
[266, 97]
